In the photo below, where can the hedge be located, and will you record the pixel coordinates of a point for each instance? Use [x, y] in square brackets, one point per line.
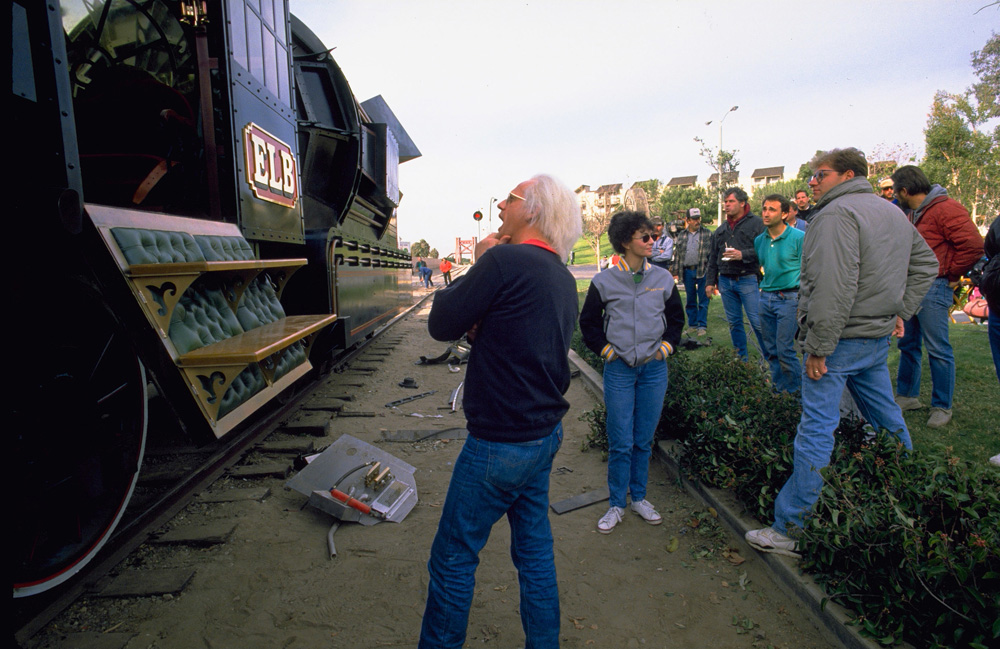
[908, 541]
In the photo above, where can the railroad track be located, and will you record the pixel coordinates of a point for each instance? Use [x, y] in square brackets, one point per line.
[150, 511]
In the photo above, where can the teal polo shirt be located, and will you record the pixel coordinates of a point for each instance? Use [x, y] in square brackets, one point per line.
[781, 259]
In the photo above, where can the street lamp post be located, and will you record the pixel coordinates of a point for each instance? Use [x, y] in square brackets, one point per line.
[719, 159]
[492, 200]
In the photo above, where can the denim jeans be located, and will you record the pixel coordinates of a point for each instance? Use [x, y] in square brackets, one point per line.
[930, 325]
[634, 399]
[697, 301]
[492, 479]
[777, 327]
[994, 331]
[741, 294]
[861, 364]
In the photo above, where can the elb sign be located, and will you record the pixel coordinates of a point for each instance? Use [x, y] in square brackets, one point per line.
[270, 166]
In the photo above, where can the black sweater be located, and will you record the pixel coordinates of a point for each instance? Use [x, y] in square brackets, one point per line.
[741, 237]
[524, 301]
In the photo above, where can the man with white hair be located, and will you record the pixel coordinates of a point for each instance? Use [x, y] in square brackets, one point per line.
[519, 305]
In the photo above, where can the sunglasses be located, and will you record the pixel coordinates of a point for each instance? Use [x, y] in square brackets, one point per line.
[823, 173]
[644, 238]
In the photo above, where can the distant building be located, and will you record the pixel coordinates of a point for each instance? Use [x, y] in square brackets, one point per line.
[767, 175]
[732, 179]
[682, 182]
[604, 200]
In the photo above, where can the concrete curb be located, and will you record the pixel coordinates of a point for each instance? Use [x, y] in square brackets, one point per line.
[829, 617]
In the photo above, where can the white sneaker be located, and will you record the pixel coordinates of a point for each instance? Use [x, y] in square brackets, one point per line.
[995, 460]
[908, 403]
[609, 520]
[647, 512]
[771, 540]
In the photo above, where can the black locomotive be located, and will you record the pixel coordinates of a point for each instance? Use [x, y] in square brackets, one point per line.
[198, 202]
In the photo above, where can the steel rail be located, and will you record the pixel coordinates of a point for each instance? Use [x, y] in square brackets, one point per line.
[42, 609]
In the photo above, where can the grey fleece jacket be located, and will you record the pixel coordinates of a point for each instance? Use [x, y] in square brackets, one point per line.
[863, 264]
[632, 321]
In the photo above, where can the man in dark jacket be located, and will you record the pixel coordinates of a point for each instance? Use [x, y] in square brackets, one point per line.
[520, 302]
[802, 202]
[733, 267]
[865, 269]
[946, 227]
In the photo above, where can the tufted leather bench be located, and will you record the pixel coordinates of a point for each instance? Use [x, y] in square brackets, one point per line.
[216, 307]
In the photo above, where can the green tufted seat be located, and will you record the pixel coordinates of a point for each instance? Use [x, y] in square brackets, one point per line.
[203, 317]
[216, 307]
[156, 246]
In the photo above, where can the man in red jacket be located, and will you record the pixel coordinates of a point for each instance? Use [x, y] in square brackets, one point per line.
[946, 227]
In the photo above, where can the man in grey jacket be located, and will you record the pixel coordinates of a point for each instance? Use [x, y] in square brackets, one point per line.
[865, 269]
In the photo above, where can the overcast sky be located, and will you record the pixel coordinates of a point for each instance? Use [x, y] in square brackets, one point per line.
[596, 92]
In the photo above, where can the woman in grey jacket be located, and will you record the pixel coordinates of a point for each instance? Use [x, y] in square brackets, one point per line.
[632, 318]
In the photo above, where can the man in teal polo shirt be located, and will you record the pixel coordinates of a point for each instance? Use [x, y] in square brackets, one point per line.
[779, 250]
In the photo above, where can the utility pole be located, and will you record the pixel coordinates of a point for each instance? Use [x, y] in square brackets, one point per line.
[719, 161]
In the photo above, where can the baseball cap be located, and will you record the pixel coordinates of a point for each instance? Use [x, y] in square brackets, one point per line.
[694, 212]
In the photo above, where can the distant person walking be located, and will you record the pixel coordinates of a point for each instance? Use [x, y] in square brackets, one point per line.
[445, 268]
[425, 273]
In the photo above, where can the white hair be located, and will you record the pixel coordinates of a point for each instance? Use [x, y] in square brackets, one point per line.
[555, 213]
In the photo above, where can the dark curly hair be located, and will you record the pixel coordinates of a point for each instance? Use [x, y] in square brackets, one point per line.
[623, 227]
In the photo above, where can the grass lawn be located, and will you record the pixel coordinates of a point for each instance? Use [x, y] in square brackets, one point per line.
[974, 431]
[583, 254]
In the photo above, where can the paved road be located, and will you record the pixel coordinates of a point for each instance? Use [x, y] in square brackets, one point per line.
[584, 272]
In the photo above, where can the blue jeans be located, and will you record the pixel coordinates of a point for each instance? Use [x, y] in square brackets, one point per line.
[862, 365]
[777, 327]
[697, 301]
[930, 325]
[994, 331]
[634, 398]
[741, 294]
[492, 479]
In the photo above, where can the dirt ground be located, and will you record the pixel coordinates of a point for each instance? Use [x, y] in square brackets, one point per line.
[273, 584]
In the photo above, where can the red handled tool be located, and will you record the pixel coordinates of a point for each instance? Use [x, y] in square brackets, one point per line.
[353, 502]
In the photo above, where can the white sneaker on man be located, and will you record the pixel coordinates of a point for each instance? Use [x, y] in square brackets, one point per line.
[908, 403]
[771, 540]
[609, 520]
[648, 513]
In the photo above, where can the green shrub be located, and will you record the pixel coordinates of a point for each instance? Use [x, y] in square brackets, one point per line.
[735, 433]
[910, 542]
[598, 436]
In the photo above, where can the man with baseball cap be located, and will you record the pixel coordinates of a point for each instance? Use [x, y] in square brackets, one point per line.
[693, 246]
[885, 189]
